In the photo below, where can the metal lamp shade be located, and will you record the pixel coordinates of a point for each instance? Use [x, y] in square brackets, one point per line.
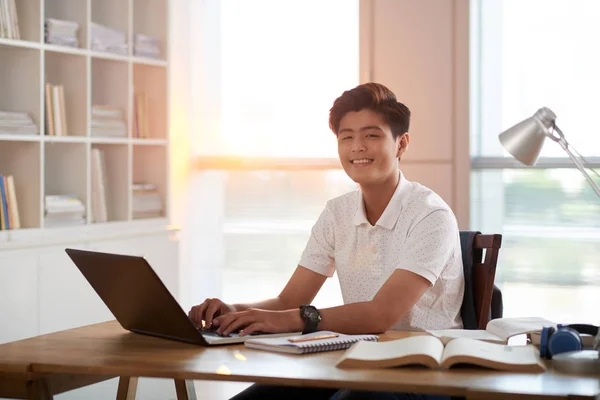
[524, 141]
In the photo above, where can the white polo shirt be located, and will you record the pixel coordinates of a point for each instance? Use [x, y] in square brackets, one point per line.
[417, 232]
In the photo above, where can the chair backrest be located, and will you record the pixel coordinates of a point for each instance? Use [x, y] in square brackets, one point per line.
[479, 277]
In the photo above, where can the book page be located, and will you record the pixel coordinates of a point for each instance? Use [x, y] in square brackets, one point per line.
[507, 327]
[446, 335]
[492, 355]
[425, 350]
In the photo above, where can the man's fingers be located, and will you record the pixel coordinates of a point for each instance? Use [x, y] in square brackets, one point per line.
[209, 314]
[194, 315]
[254, 327]
[223, 321]
[238, 324]
[202, 311]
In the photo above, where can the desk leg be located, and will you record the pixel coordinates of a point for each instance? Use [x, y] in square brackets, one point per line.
[185, 389]
[38, 389]
[127, 388]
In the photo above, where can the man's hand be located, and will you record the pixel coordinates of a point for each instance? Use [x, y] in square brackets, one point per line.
[255, 320]
[208, 310]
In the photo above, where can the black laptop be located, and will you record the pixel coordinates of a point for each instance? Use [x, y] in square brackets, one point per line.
[140, 301]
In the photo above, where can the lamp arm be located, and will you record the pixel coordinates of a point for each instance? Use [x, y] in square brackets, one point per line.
[565, 145]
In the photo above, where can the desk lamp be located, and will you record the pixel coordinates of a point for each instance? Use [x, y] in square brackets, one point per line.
[524, 142]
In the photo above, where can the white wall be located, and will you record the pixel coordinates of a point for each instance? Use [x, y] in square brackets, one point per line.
[420, 50]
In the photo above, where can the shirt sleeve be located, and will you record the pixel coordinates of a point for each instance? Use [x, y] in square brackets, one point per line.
[318, 256]
[430, 245]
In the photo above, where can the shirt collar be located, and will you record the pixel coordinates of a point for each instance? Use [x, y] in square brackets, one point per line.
[392, 211]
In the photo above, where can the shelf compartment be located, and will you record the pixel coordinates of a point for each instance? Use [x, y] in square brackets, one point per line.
[69, 10]
[70, 71]
[110, 87]
[116, 180]
[22, 161]
[28, 15]
[112, 14]
[151, 82]
[65, 171]
[20, 81]
[149, 167]
[148, 19]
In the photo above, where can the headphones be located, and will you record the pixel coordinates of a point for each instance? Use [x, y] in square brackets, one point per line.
[563, 338]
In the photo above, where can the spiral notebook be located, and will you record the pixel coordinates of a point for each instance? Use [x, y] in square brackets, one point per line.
[309, 343]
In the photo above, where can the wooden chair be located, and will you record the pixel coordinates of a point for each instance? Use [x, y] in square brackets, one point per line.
[479, 289]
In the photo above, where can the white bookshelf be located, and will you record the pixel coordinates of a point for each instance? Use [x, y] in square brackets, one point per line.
[45, 165]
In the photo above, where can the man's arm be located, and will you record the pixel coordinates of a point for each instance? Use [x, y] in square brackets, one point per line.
[301, 288]
[395, 298]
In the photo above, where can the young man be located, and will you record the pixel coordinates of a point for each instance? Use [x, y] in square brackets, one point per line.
[394, 244]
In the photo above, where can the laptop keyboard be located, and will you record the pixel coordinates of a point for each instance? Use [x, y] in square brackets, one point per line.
[213, 333]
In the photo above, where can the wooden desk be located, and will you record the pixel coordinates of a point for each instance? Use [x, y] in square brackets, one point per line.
[45, 365]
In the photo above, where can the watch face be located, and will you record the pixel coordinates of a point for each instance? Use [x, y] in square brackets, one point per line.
[310, 313]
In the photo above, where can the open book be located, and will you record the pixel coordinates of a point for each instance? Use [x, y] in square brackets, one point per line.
[429, 351]
[308, 343]
[497, 330]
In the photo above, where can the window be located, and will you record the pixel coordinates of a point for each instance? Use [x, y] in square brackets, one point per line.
[264, 81]
[277, 68]
[527, 54]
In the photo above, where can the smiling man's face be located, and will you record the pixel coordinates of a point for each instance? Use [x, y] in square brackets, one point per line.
[367, 149]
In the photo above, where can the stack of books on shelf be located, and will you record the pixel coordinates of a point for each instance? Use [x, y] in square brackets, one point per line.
[9, 23]
[108, 121]
[146, 201]
[99, 212]
[9, 210]
[56, 114]
[108, 39]
[140, 115]
[146, 46]
[64, 33]
[17, 123]
[63, 210]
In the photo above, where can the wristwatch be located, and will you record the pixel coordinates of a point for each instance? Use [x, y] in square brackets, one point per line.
[311, 317]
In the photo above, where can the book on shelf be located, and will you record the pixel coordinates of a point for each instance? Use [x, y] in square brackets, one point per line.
[429, 351]
[498, 330]
[9, 21]
[4, 215]
[108, 39]
[146, 46]
[17, 123]
[146, 201]
[308, 343]
[49, 111]
[61, 32]
[63, 210]
[140, 121]
[99, 211]
[56, 115]
[63, 110]
[9, 209]
[107, 121]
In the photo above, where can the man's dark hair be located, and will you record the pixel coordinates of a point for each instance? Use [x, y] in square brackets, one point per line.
[372, 96]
